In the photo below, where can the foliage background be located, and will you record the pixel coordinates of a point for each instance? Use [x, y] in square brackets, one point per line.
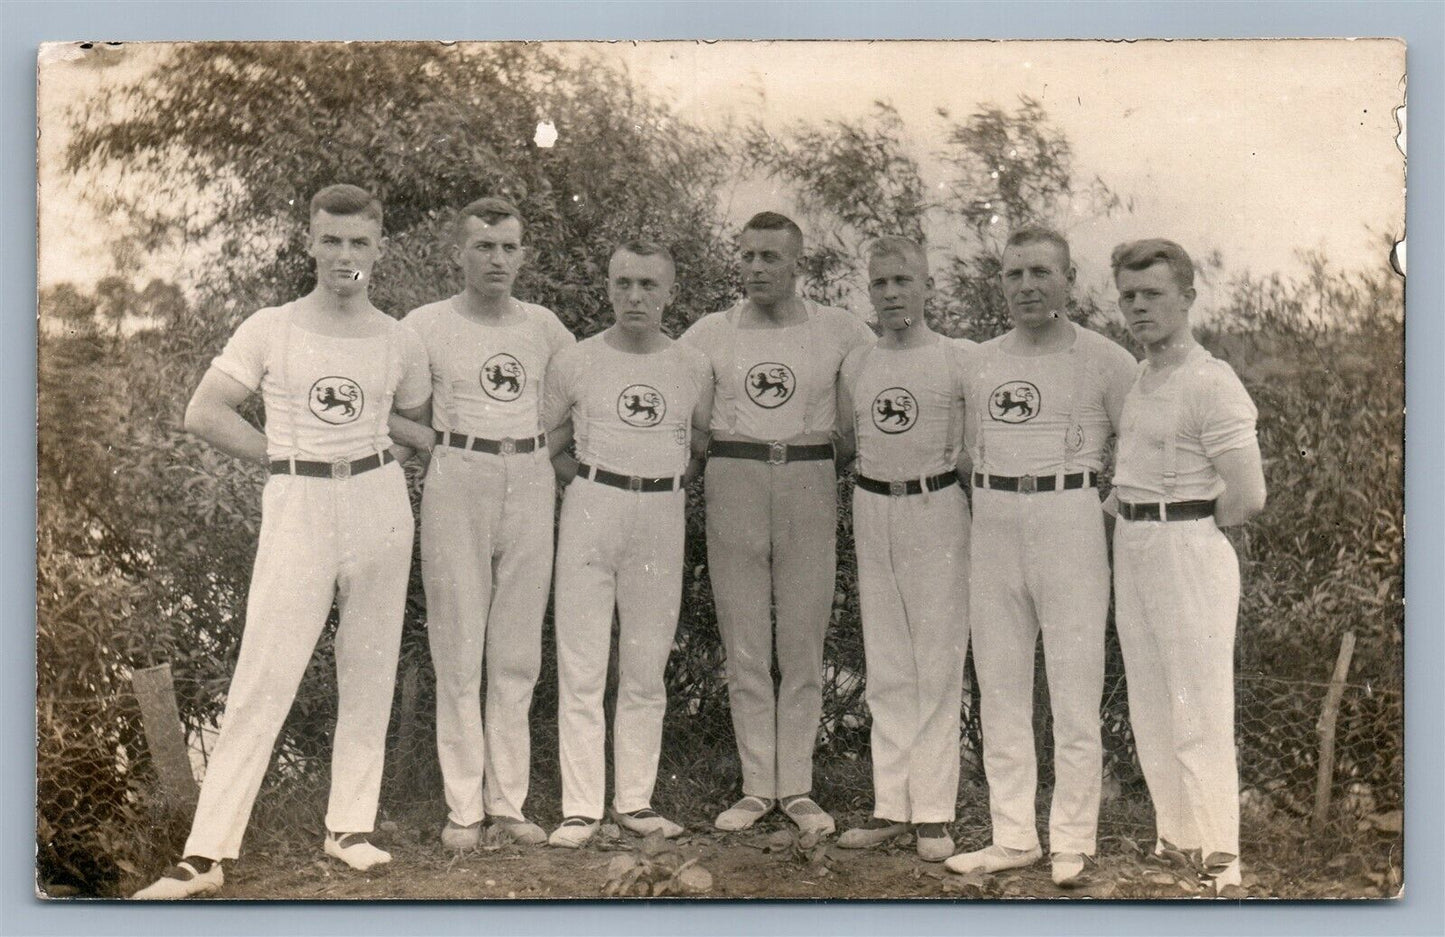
[145, 537]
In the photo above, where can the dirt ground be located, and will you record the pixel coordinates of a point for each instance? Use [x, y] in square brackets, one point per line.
[770, 862]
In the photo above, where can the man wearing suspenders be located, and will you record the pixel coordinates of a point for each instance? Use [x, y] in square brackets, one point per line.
[1189, 463]
[1045, 400]
[336, 525]
[902, 398]
[772, 514]
[631, 398]
[486, 521]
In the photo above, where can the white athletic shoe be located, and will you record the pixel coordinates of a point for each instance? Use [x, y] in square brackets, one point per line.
[646, 821]
[355, 850]
[520, 830]
[808, 815]
[1066, 867]
[458, 837]
[743, 814]
[574, 832]
[1224, 877]
[874, 832]
[183, 881]
[933, 842]
[993, 859]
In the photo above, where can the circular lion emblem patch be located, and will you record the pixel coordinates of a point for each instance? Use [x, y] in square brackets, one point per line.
[641, 405]
[503, 377]
[1014, 402]
[894, 410]
[770, 384]
[336, 400]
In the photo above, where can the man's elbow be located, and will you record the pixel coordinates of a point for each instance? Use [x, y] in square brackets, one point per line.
[194, 421]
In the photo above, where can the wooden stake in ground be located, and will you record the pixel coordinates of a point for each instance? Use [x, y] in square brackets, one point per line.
[156, 693]
[1326, 727]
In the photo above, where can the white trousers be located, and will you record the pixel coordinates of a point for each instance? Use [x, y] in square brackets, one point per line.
[1176, 603]
[1039, 564]
[321, 539]
[623, 549]
[772, 548]
[913, 590]
[486, 562]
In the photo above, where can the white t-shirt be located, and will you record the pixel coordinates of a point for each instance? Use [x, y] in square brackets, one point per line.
[326, 397]
[776, 383]
[908, 406]
[1042, 414]
[487, 379]
[630, 413]
[1206, 410]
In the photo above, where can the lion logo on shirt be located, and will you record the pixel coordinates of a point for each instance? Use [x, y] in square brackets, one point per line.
[1014, 402]
[336, 400]
[894, 410]
[641, 405]
[770, 384]
[503, 377]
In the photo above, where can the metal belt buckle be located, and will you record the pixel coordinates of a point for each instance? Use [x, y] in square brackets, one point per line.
[340, 469]
[897, 489]
[507, 446]
[777, 453]
[1028, 484]
[634, 483]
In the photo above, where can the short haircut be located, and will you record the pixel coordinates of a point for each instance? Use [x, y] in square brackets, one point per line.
[489, 210]
[905, 249]
[645, 248]
[1038, 234]
[345, 199]
[1141, 255]
[772, 221]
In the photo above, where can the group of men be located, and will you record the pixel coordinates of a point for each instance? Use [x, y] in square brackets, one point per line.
[771, 395]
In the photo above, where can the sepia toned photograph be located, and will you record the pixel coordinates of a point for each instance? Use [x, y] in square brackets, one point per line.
[718, 470]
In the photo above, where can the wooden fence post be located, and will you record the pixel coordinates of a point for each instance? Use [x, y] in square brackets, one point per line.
[166, 739]
[1326, 726]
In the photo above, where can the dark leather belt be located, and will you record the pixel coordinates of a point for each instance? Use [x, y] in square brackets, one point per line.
[336, 468]
[1028, 484]
[627, 482]
[909, 487]
[494, 446]
[774, 453]
[1171, 511]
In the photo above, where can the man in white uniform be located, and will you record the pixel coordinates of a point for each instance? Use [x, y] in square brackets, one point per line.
[486, 521]
[1188, 464]
[902, 399]
[631, 398]
[336, 525]
[772, 514]
[1046, 399]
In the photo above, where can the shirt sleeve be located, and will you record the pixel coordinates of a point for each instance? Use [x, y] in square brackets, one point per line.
[558, 335]
[1224, 415]
[962, 355]
[244, 357]
[855, 332]
[557, 395]
[1117, 369]
[848, 373]
[699, 335]
[415, 385]
[702, 370]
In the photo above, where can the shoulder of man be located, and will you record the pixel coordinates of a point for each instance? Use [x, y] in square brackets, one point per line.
[704, 327]
[422, 317]
[853, 360]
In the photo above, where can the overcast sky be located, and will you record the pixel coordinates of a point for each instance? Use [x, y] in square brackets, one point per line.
[1254, 149]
